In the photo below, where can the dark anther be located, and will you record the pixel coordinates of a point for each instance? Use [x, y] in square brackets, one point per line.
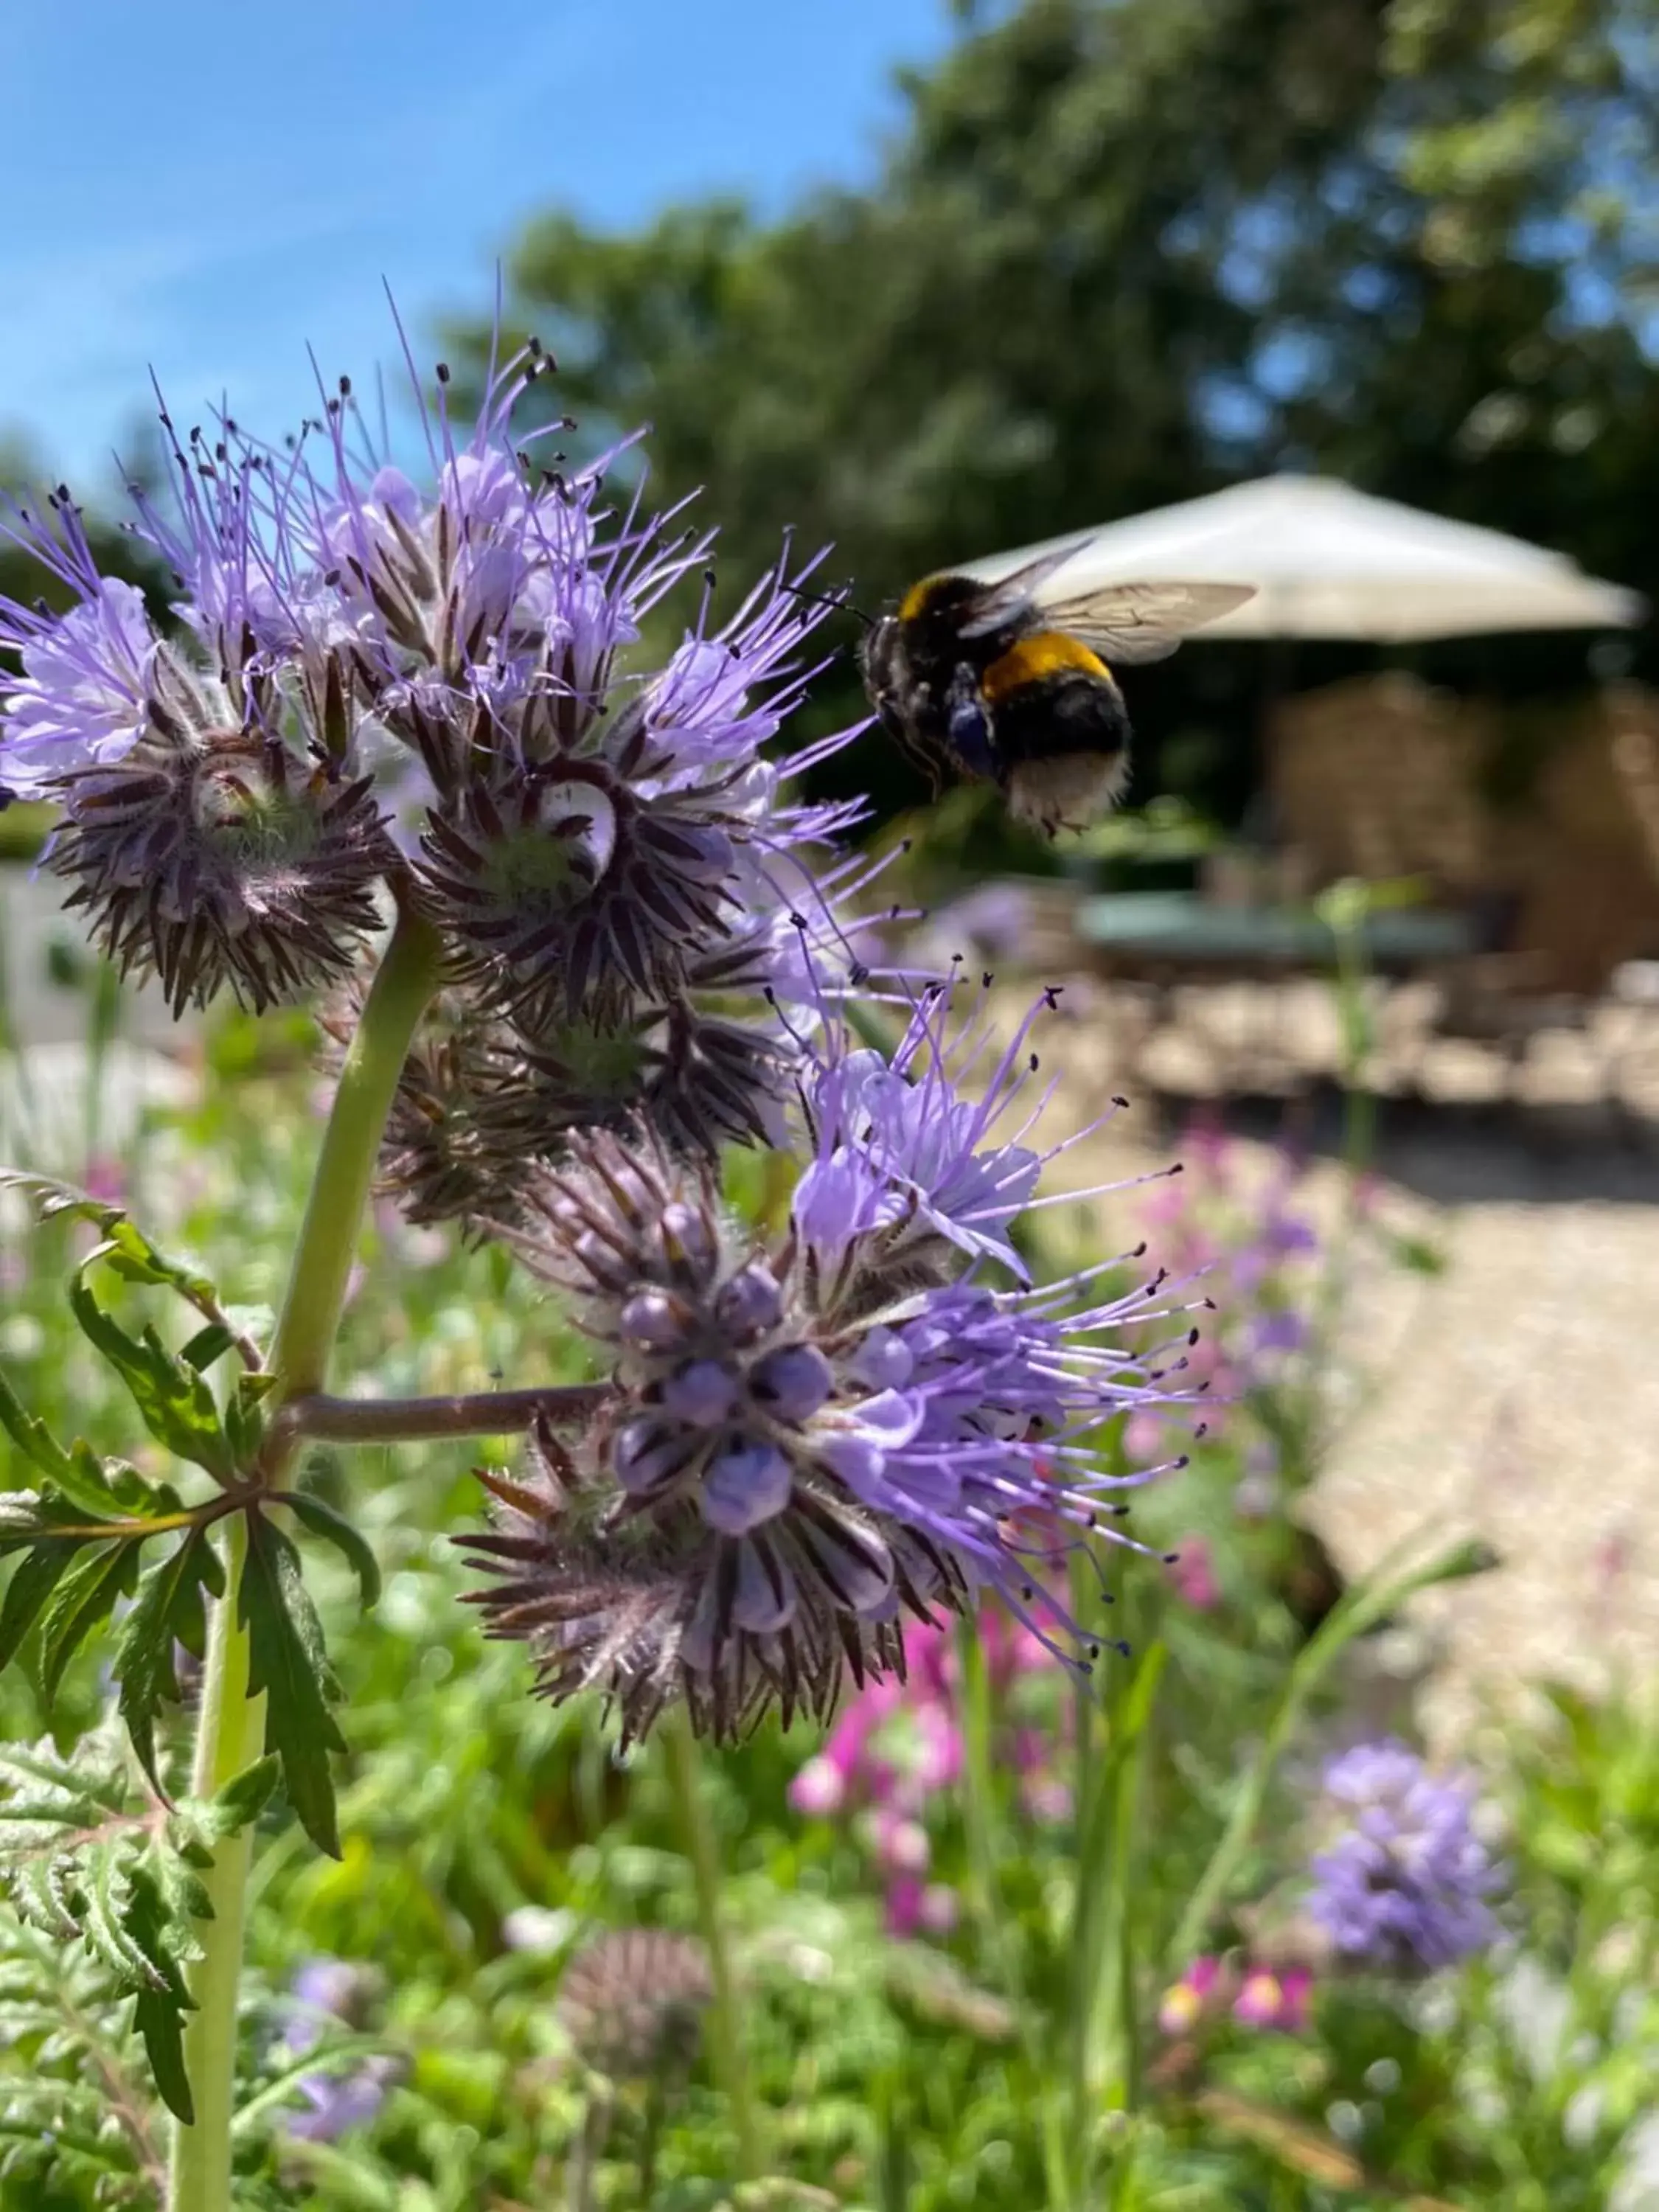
[1122, 1104]
[1035, 1063]
[443, 372]
[345, 387]
[798, 921]
[985, 979]
[1192, 1336]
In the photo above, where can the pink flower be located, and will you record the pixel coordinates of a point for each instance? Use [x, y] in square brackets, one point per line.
[913, 1904]
[1273, 2000]
[1193, 1573]
[105, 1178]
[939, 1908]
[901, 1846]
[819, 1789]
[1142, 1439]
[1046, 1798]
[1184, 2000]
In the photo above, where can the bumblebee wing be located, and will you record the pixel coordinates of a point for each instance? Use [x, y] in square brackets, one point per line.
[1135, 623]
[997, 604]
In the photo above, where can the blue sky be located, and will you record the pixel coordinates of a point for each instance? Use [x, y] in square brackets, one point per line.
[203, 189]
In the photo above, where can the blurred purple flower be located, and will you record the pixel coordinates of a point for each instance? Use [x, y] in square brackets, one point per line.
[1405, 1881]
[324, 1994]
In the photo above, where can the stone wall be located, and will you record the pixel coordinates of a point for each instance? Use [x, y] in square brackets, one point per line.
[1383, 777]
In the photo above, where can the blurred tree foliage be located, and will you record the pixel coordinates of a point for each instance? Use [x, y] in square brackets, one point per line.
[1122, 252]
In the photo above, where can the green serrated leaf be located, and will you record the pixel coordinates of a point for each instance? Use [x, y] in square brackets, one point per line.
[32, 1438]
[143, 1656]
[105, 1893]
[29, 1591]
[243, 1798]
[244, 1421]
[207, 1345]
[38, 1890]
[175, 1404]
[289, 1662]
[86, 1596]
[126, 1249]
[163, 2000]
[323, 1521]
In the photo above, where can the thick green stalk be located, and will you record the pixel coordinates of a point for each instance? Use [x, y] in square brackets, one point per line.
[402, 990]
[231, 1734]
[725, 2033]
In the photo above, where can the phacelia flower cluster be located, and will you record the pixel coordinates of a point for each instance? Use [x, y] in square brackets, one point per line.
[632, 2002]
[367, 687]
[814, 1437]
[1405, 1883]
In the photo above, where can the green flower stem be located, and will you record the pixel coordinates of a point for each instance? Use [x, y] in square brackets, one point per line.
[231, 1735]
[402, 990]
[415, 1420]
[230, 1739]
[1360, 1610]
[979, 1808]
[731, 2061]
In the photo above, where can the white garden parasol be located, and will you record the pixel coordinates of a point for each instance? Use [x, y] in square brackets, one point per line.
[1328, 562]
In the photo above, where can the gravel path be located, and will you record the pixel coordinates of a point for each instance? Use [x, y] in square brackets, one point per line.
[1514, 1395]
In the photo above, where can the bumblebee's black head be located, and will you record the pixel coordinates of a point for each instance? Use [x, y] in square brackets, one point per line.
[934, 611]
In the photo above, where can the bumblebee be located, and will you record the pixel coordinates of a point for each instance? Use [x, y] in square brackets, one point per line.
[1008, 683]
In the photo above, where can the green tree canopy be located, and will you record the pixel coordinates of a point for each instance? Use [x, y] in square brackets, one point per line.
[1121, 251]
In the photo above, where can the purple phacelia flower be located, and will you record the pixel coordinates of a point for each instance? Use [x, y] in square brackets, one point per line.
[379, 680]
[810, 1440]
[325, 1994]
[83, 699]
[1404, 1883]
[929, 1146]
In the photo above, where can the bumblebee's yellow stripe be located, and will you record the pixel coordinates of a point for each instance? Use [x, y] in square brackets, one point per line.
[914, 601]
[1045, 653]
